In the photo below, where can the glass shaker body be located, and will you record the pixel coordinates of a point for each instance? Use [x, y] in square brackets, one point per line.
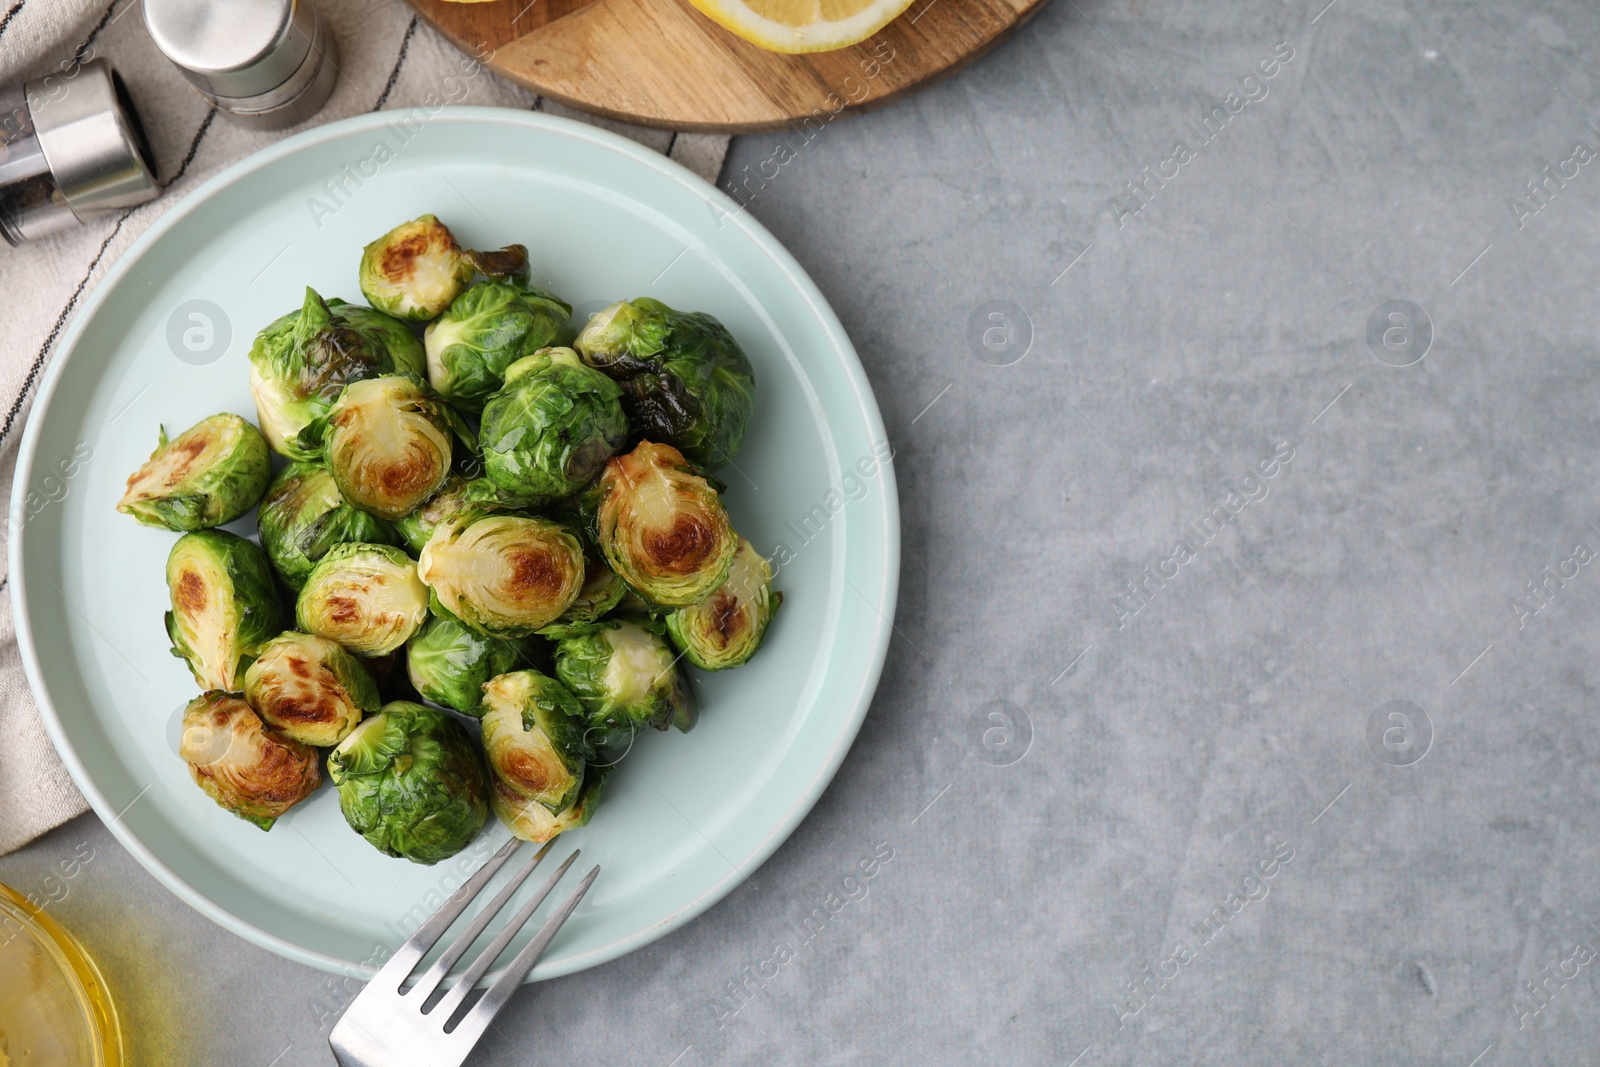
[71, 148]
[31, 204]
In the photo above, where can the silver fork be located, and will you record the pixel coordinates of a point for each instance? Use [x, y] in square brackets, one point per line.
[386, 1026]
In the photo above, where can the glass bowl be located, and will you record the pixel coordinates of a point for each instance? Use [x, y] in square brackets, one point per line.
[54, 1005]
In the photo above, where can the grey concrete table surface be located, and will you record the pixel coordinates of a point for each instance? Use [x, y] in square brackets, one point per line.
[1242, 703]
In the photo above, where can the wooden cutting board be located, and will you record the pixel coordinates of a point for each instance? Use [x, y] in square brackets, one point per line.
[662, 63]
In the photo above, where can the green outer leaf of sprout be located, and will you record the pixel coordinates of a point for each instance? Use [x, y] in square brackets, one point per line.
[551, 427]
[411, 782]
[449, 662]
[304, 515]
[490, 326]
[625, 677]
[686, 382]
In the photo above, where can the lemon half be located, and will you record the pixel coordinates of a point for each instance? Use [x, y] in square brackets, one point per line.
[796, 26]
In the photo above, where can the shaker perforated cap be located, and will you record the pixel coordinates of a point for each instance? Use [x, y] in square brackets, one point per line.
[233, 49]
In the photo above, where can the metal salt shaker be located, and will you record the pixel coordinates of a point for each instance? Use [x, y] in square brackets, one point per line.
[267, 64]
[71, 148]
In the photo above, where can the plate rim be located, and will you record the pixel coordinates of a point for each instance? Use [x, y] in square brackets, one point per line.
[730, 210]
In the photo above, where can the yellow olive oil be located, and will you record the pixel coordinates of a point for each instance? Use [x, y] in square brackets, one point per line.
[55, 1010]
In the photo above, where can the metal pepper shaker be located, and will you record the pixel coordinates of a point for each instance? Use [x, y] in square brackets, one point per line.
[266, 64]
[71, 147]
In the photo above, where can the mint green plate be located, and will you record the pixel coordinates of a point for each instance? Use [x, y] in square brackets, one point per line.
[686, 817]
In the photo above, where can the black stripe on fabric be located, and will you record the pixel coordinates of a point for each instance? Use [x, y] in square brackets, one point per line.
[399, 61]
[194, 146]
[55, 331]
[83, 49]
[5, 23]
[671, 144]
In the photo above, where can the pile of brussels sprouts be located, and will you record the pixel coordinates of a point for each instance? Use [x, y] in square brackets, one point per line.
[502, 520]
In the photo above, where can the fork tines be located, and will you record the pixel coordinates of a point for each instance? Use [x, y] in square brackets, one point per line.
[392, 1025]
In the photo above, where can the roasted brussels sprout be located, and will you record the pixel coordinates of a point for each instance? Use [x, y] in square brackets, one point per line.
[210, 474]
[725, 629]
[411, 783]
[309, 689]
[602, 590]
[388, 445]
[247, 768]
[299, 364]
[304, 515]
[534, 736]
[662, 526]
[448, 663]
[502, 575]
[414, 271]
[685, 380]
[457, 494]
[626, 678]
[366, 597]
[486, 329]
[550, 429]
[224, 606]
[532, 821]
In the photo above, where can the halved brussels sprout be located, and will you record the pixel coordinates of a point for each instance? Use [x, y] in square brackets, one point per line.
[551, 427]
[415, 270]
[486, 329]
[299, 363]
[449, 663]
[532, 821]
[685, 380]
[366, 597]
[626, 678]
[502, 575]
[457, 495]
[662, 526]
[304, 515]
[533, 734]
[388, 445]
[252, 771]
[224, 605]
[725, 629]
[309, 689]
[602, 591]
[411, 783]
[210, 474]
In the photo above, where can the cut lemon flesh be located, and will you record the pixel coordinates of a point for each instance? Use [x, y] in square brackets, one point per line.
[802, 25]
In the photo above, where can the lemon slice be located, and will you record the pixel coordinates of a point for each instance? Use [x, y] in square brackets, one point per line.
[796, 26]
